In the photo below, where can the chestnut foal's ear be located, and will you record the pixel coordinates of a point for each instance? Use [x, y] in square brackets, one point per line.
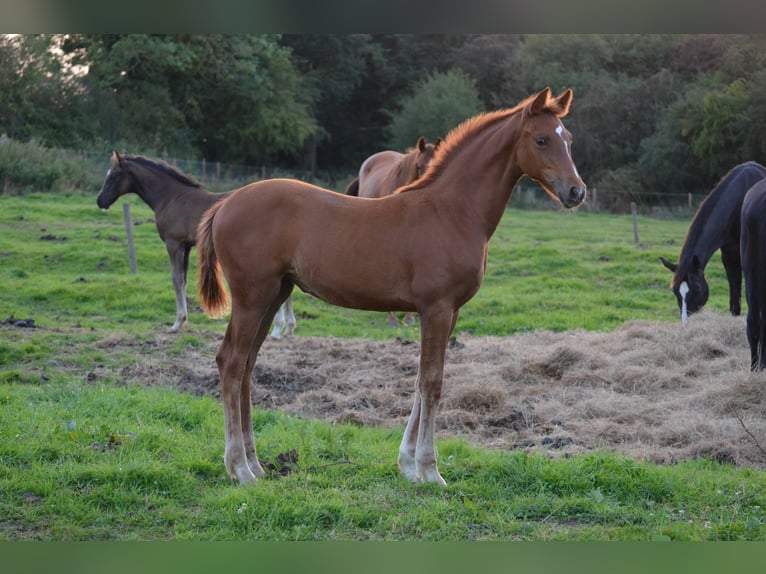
[540, 101]
[421, 143]
[563, 102]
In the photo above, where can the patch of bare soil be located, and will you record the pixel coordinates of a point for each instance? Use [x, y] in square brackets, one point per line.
[654, 391]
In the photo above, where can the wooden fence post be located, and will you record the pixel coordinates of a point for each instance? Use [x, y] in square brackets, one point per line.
[635, 221]
[129, 231]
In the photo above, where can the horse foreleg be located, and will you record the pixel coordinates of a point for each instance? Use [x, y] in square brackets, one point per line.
[435, 328]
[179, 261]
[406, 460]
[730, 257]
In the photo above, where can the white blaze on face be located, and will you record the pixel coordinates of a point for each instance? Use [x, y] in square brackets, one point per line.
[560, 132]
[108, 172]
[683, 290]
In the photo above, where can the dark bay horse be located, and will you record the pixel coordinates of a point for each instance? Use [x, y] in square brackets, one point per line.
[386, 171]
[422, 249]
[716, 225]
[178, 202]
[753, 255]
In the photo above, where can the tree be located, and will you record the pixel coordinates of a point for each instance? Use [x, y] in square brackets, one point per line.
[492, 60]
[333, 68]
[40, 95]
[227, 97]
[438, 104]
[358, 79]
[246, 102]
[702, 136]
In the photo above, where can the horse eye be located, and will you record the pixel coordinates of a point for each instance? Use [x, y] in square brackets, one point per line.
[541, 141]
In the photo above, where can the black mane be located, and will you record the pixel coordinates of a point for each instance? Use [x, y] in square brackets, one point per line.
[164, 167]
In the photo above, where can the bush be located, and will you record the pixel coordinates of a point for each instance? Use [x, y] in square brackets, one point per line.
[438, 104]
[27, 167]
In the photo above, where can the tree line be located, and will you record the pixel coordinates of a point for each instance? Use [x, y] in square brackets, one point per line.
[659, 113]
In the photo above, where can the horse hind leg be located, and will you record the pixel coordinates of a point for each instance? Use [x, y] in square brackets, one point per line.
[284, 320]
[236, 358]
[241, 458]
[290, 314]
[279, 323]
[179, 262]
[245, 404]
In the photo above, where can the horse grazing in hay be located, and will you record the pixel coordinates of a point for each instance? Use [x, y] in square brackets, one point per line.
[716, 225]
[753, 254]
[384, 172]
[421, 249]
[178, 202]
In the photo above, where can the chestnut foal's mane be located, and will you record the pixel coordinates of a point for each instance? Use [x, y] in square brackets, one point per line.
[465, 130]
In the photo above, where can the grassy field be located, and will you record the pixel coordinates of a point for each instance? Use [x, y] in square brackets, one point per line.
[65, 263]
[85, 459]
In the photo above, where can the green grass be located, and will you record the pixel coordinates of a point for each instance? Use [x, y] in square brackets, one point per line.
[546, 270]
[93, 462]
[87, 458]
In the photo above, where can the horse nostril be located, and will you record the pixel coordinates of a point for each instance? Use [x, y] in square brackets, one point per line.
[576, 195]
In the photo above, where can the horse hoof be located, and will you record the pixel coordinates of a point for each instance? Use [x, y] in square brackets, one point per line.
[432, 475]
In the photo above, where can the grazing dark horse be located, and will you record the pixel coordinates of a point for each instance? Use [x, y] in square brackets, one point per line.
[714, 226]
[386, 171]
[753, 254]
[422, 249]
[178, 202]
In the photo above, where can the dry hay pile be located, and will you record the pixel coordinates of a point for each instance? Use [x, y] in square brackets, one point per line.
[655, 391]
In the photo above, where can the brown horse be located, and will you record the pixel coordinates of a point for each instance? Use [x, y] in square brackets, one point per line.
[178, 202]
[421, 249]
[386, 171]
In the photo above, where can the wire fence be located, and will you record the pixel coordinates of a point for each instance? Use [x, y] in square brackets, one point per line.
[220, 176]
[615, 201]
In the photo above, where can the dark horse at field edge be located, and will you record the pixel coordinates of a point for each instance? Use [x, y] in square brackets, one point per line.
[422, 249]
[753, 255]
[178, 202]
[716, 225]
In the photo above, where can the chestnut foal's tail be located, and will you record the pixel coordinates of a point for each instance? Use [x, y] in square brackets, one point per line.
[210, 287]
